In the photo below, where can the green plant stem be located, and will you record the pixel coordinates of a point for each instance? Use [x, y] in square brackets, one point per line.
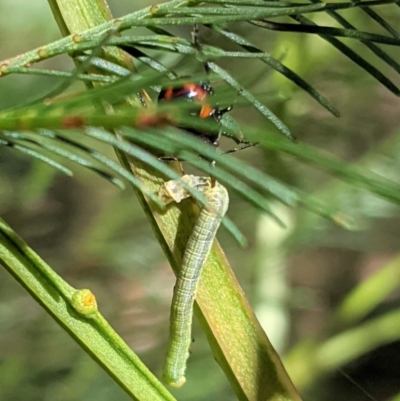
[79, 318]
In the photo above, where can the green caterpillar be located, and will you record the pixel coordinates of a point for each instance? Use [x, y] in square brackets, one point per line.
[197, 250]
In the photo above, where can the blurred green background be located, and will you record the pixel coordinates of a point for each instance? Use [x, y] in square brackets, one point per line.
[96, 236]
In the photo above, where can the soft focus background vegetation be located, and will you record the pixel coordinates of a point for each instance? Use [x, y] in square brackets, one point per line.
[97, 237]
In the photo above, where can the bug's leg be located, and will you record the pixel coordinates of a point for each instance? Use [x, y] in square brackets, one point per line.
[143, 98]
[197, 45]
[169, 159]
[213, 179]
[229, 108]
[245, 145]
[221, 112]
[195, 36]
[175, 160]
[238, 139]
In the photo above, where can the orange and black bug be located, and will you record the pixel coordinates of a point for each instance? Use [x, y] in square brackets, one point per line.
[199, 94]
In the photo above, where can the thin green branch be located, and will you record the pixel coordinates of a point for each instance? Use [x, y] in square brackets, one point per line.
[36, 155]
[374, 48]
[371, 182]
[76, 311]
[242, 14]
[328, 31]
[62, 74]
[281, 68]
[383, 23]
[39, 141]
[352, 55]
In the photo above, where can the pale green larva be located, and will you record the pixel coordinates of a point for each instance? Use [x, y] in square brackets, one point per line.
[197, 250]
